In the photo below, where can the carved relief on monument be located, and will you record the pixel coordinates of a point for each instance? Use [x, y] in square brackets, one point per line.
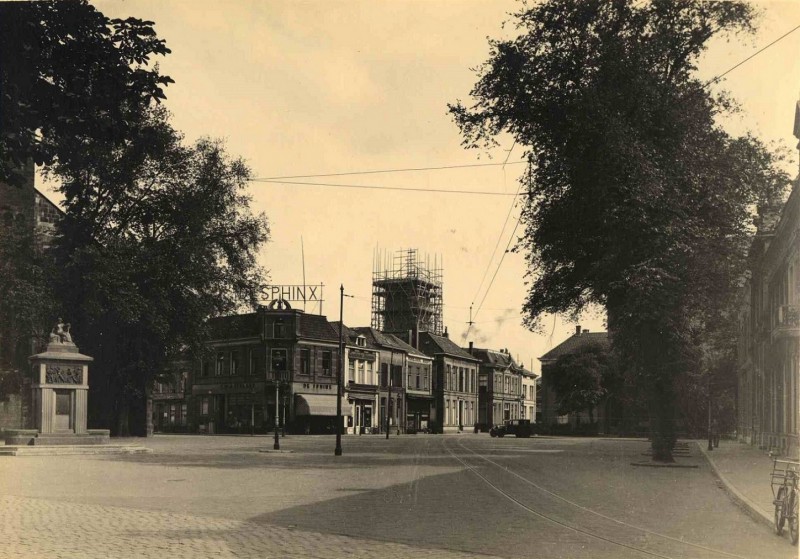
[63, 374]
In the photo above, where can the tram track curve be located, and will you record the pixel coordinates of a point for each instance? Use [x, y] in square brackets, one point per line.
[550, 516]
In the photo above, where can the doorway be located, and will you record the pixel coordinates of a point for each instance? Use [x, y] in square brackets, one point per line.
[63, 418]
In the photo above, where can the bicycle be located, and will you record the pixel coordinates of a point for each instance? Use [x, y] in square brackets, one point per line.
[784, 482]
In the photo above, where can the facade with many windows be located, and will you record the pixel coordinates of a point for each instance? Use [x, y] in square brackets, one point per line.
[499, 387]
[275, 366]
[768, 407]
[455, 383]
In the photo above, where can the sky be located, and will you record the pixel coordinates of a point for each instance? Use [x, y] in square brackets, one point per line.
[323, 87]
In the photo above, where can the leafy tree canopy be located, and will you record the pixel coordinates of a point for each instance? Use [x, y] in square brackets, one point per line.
[158, 236]
[583, 379]
[638, 200]
[69, 74]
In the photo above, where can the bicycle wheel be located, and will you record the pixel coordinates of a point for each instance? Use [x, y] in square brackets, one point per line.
[779, 516]
[793, 520]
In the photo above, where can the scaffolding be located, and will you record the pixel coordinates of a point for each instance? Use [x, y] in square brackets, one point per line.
[406, 292]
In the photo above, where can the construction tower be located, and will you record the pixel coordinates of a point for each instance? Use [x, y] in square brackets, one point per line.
[406, 293]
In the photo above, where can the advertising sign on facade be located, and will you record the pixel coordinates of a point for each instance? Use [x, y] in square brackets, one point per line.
[294, 293]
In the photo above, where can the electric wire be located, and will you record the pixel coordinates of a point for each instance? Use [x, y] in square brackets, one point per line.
[398, 170]
[732, 68]
[374, 187]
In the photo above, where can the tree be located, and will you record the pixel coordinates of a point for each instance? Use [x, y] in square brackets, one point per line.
[158, 237]
[582, 380]
[638, 200]
[69, 74]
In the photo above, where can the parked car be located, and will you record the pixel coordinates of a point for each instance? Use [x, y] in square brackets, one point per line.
[517, 427]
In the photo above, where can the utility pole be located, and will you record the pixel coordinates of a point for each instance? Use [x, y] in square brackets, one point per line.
[389, 393]
[338, 450]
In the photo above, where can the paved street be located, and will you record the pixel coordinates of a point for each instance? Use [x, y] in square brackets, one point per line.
[420, 496]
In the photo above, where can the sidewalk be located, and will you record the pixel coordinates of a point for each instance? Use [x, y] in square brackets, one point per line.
[745, 472]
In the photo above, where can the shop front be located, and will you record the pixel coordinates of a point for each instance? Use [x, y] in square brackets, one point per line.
[362, 401]
[418, 412]
[235, 407]
[315, 414]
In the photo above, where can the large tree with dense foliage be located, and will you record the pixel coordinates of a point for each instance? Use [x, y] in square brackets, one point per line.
[158, 236]
[68, 75]
[639, 201]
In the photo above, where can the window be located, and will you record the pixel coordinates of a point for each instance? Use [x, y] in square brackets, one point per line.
[205, 368]
[361, 372]
[447, 379]
[370, 373]
[253, 358]
[461, 379]
[361, 341]
[278, 361]
[384, 374]
[220, 364]
[278, 328]
[417, 381]
[351, 374]
[326, 362]
[204, 401]
[305, 361]
[234, 363]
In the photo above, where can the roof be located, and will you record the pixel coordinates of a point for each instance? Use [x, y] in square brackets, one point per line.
[350, 335]
[234, 326]
[433, 344]
[388, 341]
[493, 358]
[316, 327]
[574, 342]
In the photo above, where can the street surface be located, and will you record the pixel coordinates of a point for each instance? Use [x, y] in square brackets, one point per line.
[411, 496]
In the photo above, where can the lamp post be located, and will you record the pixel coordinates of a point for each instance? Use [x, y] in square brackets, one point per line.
[277, 444]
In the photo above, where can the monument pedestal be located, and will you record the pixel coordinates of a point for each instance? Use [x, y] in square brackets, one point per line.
[60, 385]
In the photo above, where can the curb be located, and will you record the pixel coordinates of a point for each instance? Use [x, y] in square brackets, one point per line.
[736, 496]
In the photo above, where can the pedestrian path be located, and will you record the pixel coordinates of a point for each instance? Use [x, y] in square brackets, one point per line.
[41, 528]
[745, 472]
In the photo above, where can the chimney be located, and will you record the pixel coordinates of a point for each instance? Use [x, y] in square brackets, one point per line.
[578, 330]
[470, 348]
[585, 330]
[446, 335]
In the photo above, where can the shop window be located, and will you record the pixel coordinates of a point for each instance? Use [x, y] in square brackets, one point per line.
[204, 405]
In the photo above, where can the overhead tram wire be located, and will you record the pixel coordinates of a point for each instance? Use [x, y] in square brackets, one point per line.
[374, 187]
[759, 51]
[499, 238]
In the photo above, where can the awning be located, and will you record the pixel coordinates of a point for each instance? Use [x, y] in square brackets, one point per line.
[319, 404]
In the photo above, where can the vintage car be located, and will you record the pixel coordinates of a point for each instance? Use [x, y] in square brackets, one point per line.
[518, 427]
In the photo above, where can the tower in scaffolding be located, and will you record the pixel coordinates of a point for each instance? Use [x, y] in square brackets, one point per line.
[406, 292]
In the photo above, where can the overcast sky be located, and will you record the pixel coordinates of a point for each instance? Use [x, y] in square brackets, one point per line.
[308, 87]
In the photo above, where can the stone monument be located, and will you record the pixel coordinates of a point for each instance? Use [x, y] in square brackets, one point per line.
[60, 388]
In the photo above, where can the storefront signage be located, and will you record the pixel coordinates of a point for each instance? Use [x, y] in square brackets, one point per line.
[225, 387]
[361, 355]
[294, 292]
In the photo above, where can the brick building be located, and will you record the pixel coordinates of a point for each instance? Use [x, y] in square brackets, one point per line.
[499, 386]
[769, 331]
[455, 383]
